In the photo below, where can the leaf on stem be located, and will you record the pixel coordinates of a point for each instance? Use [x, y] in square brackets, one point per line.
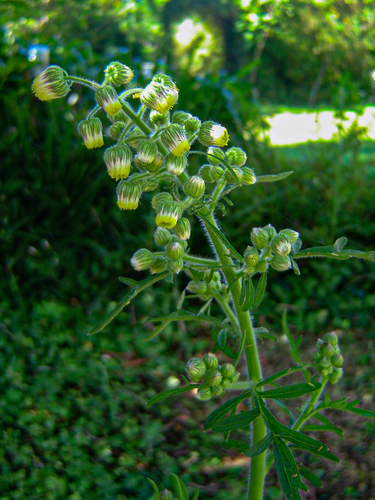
[280, 374]
[250, 294]
[310, 476]
[259, 447]
[335, 251]
[179, 487]
[274, 177]
[225, 408]
[291, 391]
[287, 470]
[261, 288]
[221, 340]
[293, 344]
[238, 421]
[155, 488]
[169, 393]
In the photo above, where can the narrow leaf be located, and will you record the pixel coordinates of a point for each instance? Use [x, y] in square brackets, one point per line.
[169, 393]
[129, 282]
[361, 411]
[227, 349]
[280, 374]
[301, 441]
[310, 476]
[250, 294]
[324, 428]
[291, 391]
[335, 251]
[258, 448]
[260, 290]
[155, 488]
[179, 487]
[244, 281]
[293, 345]
[196, 494]
[225, 408]
[273, 177]
[287, 470]
[242, 419]
[235, 279]
[295, 267]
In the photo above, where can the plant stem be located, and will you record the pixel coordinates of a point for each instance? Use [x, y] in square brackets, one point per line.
[227, 309]
[258, 465]
[83, 81]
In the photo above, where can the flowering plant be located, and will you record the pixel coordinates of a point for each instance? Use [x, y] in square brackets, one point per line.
[149, 152]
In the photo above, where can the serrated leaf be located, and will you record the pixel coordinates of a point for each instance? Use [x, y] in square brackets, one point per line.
[242, 419]
[291, 391]
[225, 408]
[179, 487]
[258, 448]
[261, 288]
[274, 177]
[250, 294]
[287, 470]
[155, 488]
[280, 374]
[310, 476]
[169, 393]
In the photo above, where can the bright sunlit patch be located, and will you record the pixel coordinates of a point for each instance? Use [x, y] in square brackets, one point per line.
[187, 31]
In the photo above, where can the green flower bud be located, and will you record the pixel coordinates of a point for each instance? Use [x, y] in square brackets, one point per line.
[211, 361]
[236, 156]
[167, 214]
[280, 245]
[121, 116]
[227, 370]
[204, 392]
[217, 172]
[251, 257]
[118, 160]
[290, 234]
[229, 176]
[160, 198]
[213, 287]
[226, 383]
[234, 378]
[162, 236]
[259, 237]
[174, 250]
[337, 360]
[215, 379]
[205, 173]
[213, 134]
[192, 125]
[198, 287]
[128, 195]
[248, 176]
[166, 495]
[194, 187]
[174, 138]
[146, 151]
[217, 391]
[118, 74]
[331, 338]
[142, 259]
[335, 375]
[327, 349]
[176, 266]
[175, 164]
[182, 229]
[280, 263]
[159, 119]
[180, 117]
[135, 136]
[324, 363]
[51, 84]
[317, 355]
[319, 344]
[92, 132]
[107, 99]
[161, 94]
[271, 231]
[115, 130]
[195, 369]
[262, 266]
[215, 155]
[156, 164]
[160, 264]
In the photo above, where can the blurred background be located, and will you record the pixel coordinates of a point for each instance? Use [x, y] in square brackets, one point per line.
[74, 424]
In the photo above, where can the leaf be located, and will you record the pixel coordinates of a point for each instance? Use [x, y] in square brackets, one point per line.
[301, 441]
[243, 289]
[128, 281]
[225, 348]
[361, 411]
[287, 470]
[238, 421]
[225, 408]
[324, 428]
[335, 251]
[179, 487]
[196, 494]
[156, 489]
[295, 267]
[294, 345]
[235, 279]
[233, 443]
[250, 294]
[169, 393]
[260, 290]
[258, 448]
[280, 374]
[310, 476]
[274, 177]
[291, 391]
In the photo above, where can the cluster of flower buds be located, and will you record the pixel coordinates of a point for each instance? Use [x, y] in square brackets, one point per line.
[212, 377]
[269, 248]
[328, 358]
[209, 286]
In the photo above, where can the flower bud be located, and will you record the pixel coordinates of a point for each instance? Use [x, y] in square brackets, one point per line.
[146, 151]
[160, 198]
[174, 138]
[175, 164]
[280, 263]
[162, 236]
[204, 392]
[248, 176]
[229, 176]
[107, 99]
[331, 338]
[259, 237]
[280, 245]
[142, 259]
[176, 266]
[324, 363]
[192, 125]
[180, 117]
[166, 495]
[161, 94]
[92, 132]
[317, 355]
[167, 214]
[118, 74]
[182, 229]
[213, 287]
[337, 360]
[198, 287]
[115, 130]
[251, 258]
[128, 195]
[211, 361]
[234, 378]
[262, 266]
[290, 234]
[194, 187]
[327, 349]
[174, 250]
[160, 264]
[51, 84]
[217, 390]
[121, 116]
[215, 155]
[217, 172]
[215, 379]
[196, 369]
[205, 173]
[159, 119]
[335, 375]
[227, 370]
[236, 156]
[213, 134]
[118, 160]
[226, 383]
[271, 231]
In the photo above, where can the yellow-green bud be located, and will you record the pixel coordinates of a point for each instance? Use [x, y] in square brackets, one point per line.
[51, 84]
[251, 258]
[135, 136]
[146, 151]
[107, 99]
[259, 237]
[236, 156]
[182, 229]
[231, 178]
[280, 245]
[156, 164]
[162, 236]
[213, 134]
[227, 370]
[204, 392]
[234, 378]
[160, 264]
[211, 361]
[161, 94]
[128, 195]
[337, 360]
[159, 119]
[217, 391]
[160, 198]
[195, 369]
[335, 375]
[331, 338]
[167, 214]
[271, 231]
[174, 250]
[142, 259]
[215, 155]
[262, 266]
[180, 117]
[115, 130]
[217, 172]
[205, 173]
[91, 131]
[192, 125]
[290, 234]
[194, 187]
[174, 138]
[118, 74]
[175, 164]
[176, 266]
[215, 379]
[248, 176]
[198, 287]
[280, 263]
[118, 160]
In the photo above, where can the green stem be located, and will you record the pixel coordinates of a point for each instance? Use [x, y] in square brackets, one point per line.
[200, 260]
[93, 112]
[258, 465]
[226, 309]
[83, 81]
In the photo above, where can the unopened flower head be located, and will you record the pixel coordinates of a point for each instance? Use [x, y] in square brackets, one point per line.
[211, 361]
[204, 392]
[290, 234]
[213, 134]
[198, 287]
[91, 131]
[175, 164]
[259, 237]
[215, 155]
[116, 129]
[248, 176]
[192, 125]
[107, 99]
[160, 264]
[161, 94]
[146, 151]
[194, 187]
[227, 370]
[182, 229]
[335, 375]
[118, 160]
[159, 119]
[174, 138]
[128, 195]
[251, 258]
[118, 74]
[142, 259]
[167, 214]
[215, 379]
[236, 156]
[180, 117]
[160, 198]
[174, 250]
[229, 175]
[162, 236]
[196, 369]
[175, 266]
[51, 84]
[280, 263]
[121, 116]
[280, 245]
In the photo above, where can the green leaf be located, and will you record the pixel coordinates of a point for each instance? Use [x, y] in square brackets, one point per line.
[235, 279]
[291, 391]
[196, 494]
[129, 282]
[250, 294]
[238, 421]
[310, 476]
[301, 441]
[179, 487]
[274, 177]
[287, 470]
[225, 408]
[243, 289]
[261, 288]
[361, 411]
[280, 374]
[258, 448]
[295, 267]
[169, 393]
[324, 428]
[335, 251]
[233, 443]
[156, 489]
[294, 345]
[225, 348]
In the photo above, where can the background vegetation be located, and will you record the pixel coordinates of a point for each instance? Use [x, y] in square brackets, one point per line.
[73, 418]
